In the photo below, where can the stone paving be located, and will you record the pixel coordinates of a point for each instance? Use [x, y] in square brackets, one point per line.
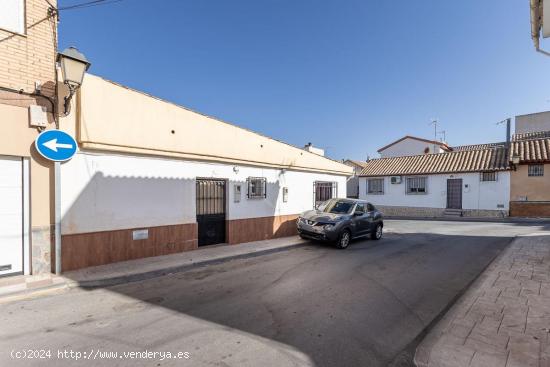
[503, 319]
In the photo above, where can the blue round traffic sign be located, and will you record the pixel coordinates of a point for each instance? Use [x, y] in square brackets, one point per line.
[55, 145]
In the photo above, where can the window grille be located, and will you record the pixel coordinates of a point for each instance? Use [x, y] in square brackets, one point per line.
[375, 186]
[257, 188]
[417, 185]
[535, 170]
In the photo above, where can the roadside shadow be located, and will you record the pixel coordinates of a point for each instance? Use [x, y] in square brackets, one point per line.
[367, 304]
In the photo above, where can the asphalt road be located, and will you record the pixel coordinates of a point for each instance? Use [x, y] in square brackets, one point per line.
[309, 306]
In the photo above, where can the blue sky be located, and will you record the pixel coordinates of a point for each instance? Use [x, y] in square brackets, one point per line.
[349, 76]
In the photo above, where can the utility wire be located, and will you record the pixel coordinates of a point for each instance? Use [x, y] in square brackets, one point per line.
[88, 4]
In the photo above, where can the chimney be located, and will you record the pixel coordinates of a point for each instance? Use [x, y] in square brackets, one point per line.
[310, 148]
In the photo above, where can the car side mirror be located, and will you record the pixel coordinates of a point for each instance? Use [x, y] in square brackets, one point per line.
[358, 213]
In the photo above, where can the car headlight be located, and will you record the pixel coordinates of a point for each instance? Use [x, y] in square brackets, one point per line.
[328, 227]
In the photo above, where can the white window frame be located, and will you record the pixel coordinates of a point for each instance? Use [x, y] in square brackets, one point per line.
[22, 20]
[407, 186]
[369, 192]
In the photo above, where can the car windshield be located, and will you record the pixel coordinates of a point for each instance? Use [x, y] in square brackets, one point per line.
[336, 206]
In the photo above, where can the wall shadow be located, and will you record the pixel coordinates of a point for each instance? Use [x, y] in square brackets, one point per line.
[124, 205]
[98, 226]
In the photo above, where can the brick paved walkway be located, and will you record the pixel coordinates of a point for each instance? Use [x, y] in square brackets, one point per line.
[503, 319]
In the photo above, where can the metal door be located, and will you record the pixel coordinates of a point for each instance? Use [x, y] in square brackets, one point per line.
[211, 211]
[454, 193]
[11, 216]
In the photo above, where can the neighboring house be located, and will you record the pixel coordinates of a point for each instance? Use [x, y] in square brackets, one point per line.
[530, 180]
[411, 145]
[353, 181]
[27, 92]
[154, 178]
[533, 122]
[473, 182]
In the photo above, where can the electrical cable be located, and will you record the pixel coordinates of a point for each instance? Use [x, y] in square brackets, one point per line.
[88, 4]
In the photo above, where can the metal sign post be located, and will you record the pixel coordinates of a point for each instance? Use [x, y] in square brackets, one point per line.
[56, 146]
[57, 183]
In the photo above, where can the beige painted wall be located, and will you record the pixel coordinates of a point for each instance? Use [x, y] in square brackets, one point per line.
[20, 143]
[534, 188]
[116, 118]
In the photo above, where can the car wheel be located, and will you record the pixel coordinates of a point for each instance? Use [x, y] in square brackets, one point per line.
[344, 239]
[377, 233]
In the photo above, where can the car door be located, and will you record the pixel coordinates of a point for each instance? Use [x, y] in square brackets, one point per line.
[360, 218]
[372, 219]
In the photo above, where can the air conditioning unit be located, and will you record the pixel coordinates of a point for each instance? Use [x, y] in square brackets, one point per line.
[395, 180]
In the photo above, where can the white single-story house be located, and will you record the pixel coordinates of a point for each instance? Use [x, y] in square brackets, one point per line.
[465, 182]
[353, 181]
[412, 145]
[153, 178]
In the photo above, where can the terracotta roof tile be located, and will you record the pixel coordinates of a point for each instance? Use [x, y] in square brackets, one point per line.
[478, 146]
[534, 150]
[491, 159]
[533, 135]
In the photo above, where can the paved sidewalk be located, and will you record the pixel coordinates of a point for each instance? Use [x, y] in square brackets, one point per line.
[150, 267]
[135, 270]
[503, 319]
[29, 283]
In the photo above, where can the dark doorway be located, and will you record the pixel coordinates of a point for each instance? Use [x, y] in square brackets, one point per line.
[211, 211]
[454, 193]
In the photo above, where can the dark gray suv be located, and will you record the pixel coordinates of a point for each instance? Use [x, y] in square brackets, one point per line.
[341, 220]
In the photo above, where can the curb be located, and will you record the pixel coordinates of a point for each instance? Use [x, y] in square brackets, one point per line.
[473, 219]
[122, 279]
[6, 297]
[431, 326]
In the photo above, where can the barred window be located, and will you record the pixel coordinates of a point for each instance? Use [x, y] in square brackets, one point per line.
[324, 191]
[488, 176]
[375, 186]
[417, 185]
[535, 170]
[256, 188]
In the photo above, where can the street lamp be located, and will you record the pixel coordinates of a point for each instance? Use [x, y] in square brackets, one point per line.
[73, 66]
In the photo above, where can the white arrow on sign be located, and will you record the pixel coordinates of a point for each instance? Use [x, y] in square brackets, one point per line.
[53, 145]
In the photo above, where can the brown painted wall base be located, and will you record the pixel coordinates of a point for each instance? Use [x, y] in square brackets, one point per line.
[99, 248]
[530, 208]
[258, 229]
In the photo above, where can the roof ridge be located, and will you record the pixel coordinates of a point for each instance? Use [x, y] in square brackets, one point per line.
[437, 154]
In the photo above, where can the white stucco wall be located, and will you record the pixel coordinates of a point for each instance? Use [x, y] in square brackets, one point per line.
[409, 147]
[109, 191]
[478, 195]
[533, 122]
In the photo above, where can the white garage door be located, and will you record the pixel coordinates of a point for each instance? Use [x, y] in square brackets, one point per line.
[11, 216]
